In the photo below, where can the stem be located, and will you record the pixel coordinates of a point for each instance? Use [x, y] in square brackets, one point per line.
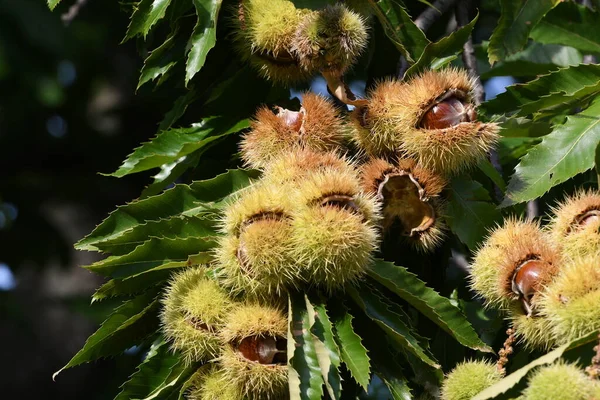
[431, 14]
[73, 11]
[470, 62]
[506, 350]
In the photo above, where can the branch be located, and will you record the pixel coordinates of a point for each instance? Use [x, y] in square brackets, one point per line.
[431, 14]
[70, 15]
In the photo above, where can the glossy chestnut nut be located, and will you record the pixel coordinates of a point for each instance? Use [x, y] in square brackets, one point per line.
[448, 112]
[526, 282]
[263, 350]
[588, 218]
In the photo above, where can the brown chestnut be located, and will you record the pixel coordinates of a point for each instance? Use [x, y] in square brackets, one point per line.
[263, 350]
[526, 282]
[588, 218]
[448, 112]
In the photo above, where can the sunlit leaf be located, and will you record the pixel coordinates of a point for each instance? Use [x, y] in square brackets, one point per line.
[147, 13]
[562, 154]
[171, 145]
[182, 200]
[547, 90]
[125, 327]
[151, 254]
[304, 361]
[352, 351]
[52, 4]
[513, 379]
[204, 36]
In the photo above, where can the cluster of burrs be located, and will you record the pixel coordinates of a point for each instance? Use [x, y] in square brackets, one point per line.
[557, 381]
[313, 221]
[290, 45]
[547, 281]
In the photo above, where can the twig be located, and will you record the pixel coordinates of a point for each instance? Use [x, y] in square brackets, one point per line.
[532, 210]
[506, 351]
[431, 14]
[70, 15]
[594, 370]
[470, 62]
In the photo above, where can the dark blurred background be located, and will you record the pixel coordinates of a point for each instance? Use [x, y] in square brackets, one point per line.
[68, 110]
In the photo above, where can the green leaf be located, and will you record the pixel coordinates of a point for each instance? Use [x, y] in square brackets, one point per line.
[151, 254]
[177, 227]
[352, 351]
[435, 307]
[147, 13]
[400, 28]
[136, 283]
[517, 19]
[470, 211]
[304, 361]
[535, 59]
[130, 323]
[171, 145]
[182, 200]
[179, 107]
[151, 373]
[173, 384]
[52, 4]
[597, 163]
[328, 353]
[488, 169]
[564, 153]
[513, 379]
[169, 173]
[391, 323]
[162, 59]
[572, 25]
[204, 36]
[548, 90]
[445, 47]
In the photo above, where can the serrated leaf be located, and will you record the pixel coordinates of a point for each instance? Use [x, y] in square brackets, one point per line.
[470, 211]
[142, 281]
[147, 13]
[52, 4]
[488, 169]
[125, 327]
[182, 200]
[328, 353]
[352, 351]
[151, 373]
[178, 109]
[435, 307]
[513, 379]
[204, 36]
[169, 173]
[445, 47]
[162, 59]
[567, 151]
[170, 228]
[572, 25]
[171, 145]
[400, 28]
[170, 388]
[378, 311]
[304, 360]
[547, 90]
[517, 19]
[153, 253]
